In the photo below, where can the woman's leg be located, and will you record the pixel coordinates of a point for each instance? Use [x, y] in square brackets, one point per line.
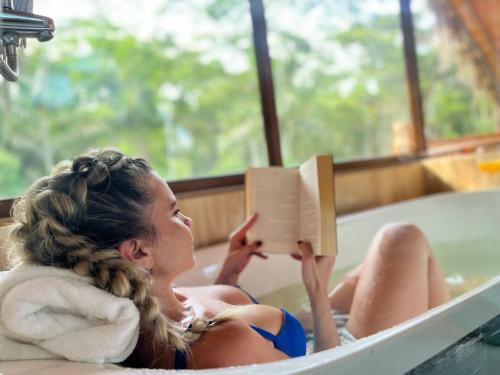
[398, 280]
[342, 294]
[439, 292]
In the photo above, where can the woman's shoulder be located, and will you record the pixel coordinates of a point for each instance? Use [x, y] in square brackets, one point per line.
[227, 293]
[231, 343]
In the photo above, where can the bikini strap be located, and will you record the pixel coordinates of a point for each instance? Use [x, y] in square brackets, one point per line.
[266, 334]
[180, 360]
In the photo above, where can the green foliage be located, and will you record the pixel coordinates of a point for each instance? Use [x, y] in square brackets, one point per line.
[102, 86]
[11, 177]
[193, 111]
[451, 108]
[347, 110]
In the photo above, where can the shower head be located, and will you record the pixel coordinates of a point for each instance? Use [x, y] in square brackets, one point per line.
[17, 22]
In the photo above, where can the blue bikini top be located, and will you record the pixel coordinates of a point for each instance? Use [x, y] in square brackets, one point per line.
[291, 338]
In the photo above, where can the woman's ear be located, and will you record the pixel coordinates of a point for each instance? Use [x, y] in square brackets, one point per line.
[134, 251]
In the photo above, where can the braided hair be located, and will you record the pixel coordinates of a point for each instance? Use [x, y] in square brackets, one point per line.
[77, 217]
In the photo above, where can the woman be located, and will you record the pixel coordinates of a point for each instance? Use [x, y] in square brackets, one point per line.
[112, 218]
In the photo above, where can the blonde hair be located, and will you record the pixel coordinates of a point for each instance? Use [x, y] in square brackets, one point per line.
[75, 219]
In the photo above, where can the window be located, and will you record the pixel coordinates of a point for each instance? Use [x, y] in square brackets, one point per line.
[454, 104]
[173, 81]
[340, 78]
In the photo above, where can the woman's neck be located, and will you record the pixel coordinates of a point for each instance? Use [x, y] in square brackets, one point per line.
[145, 352]
[171, 302]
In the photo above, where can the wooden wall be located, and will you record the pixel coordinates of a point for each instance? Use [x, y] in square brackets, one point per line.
[356, 191]
[214, 215]
[458, 173]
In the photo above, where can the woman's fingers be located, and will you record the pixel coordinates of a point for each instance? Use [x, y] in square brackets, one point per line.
[306, 250]
[238, 235]
[307, 258]
[260, 255]
[250, 248]
[307, 253]
[316, 270]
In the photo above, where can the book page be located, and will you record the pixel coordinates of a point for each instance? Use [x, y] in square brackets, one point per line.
[317, 221]
[309, 211]
[273, 194]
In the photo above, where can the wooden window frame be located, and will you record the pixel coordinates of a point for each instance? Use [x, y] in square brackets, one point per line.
[412, 77]
[266, 84]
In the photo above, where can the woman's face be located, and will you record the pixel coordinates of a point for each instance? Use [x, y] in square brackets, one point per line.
[172, 250]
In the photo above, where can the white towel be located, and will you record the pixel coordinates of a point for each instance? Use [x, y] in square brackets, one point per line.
[48, 312]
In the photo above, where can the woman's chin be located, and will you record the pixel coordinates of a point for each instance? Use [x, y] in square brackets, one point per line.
[189, 264]
[193, 261]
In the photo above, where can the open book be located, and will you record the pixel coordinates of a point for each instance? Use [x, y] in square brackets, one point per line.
[293, 204]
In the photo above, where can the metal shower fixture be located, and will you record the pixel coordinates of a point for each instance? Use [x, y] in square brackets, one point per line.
[17, 23]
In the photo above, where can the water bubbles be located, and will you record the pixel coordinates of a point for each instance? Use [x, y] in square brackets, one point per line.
[455, 279]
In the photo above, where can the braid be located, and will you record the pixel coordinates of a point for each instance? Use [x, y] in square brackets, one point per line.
[123, 279]
[76, 218]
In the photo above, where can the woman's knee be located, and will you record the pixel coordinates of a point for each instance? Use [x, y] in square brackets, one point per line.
[402, 239]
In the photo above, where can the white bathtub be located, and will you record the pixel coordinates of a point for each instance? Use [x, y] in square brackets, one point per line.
[456, 216]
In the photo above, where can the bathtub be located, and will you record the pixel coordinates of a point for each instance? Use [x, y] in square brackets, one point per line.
[462, 218]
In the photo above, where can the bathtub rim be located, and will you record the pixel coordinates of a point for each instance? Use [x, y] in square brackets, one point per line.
[354, 216]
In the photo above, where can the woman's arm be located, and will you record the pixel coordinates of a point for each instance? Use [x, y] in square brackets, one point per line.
[316, 272]
[325, 329]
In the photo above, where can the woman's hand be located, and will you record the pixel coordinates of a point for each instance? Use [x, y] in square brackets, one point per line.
[316, 270]
[239, 253]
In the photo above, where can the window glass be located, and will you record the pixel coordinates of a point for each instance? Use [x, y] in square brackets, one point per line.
[339, 74]
[454, 104]
[173, 81]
